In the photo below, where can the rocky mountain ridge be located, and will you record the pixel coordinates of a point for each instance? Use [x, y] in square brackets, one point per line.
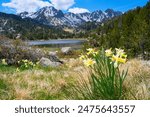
[53, 17]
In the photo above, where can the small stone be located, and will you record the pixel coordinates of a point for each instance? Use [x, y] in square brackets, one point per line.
[47, 62]
[66, 50]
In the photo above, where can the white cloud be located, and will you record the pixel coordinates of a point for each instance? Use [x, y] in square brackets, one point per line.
[78, 10]
[62, 4]
[34, 5]
[26, 5]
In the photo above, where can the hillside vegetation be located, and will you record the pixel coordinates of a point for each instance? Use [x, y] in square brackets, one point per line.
[12, 25]
[130, 31]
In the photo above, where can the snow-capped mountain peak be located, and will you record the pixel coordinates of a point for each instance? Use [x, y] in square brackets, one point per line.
[51, 16]
[50, 11]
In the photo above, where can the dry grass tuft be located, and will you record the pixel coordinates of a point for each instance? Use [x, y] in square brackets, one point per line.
[137, 83]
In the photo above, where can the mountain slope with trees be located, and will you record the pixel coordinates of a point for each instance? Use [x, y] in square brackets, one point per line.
[130, 31]
[13, 26]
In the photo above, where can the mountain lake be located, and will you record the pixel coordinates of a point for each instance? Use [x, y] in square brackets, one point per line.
[58, 43]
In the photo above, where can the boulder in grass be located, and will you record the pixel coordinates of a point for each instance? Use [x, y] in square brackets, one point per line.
[45, 62]
[54, 58]
[66, 50]
[53, 53]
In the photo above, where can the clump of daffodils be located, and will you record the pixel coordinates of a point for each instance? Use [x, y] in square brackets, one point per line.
[88, 59]
[106, 79]
[118, 56]
[26, 64]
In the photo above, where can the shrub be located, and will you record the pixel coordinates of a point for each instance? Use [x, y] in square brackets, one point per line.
[16, 50]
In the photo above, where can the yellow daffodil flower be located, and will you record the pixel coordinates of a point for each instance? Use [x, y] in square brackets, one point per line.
[89, 62]
[17, 70]
[121, 60]
[92, 51]
[114, 58]
[25, 61]
[31, 63]
[120, 53]
[26, 65]
[95, 53]
[82, 57]
[4, 62]
[37, 63]
[108, 52]
[118, 60]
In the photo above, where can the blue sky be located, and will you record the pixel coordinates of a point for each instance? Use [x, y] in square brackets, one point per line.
[16, 6]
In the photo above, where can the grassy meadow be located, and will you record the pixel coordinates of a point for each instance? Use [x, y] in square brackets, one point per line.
[87, 74]
[62, 83]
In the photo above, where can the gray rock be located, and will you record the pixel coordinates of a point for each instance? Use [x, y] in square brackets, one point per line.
[54, 58]
[66, 50]
[55, 64]
[53, 53]
[47, 62]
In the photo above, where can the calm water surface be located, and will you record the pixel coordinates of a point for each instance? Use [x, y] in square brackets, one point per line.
[58, 42]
